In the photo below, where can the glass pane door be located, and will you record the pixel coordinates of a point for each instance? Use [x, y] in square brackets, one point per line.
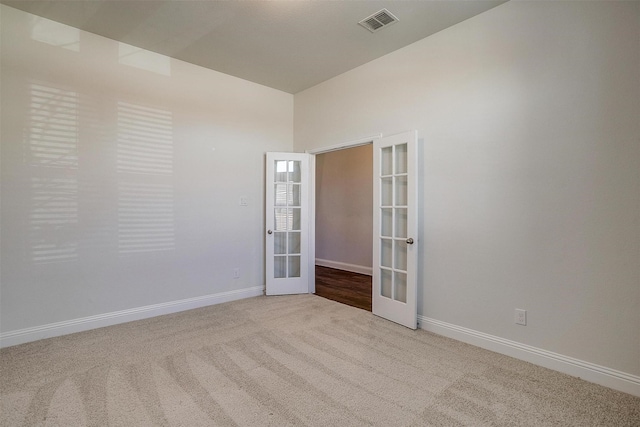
[287, 223]
[395, 229]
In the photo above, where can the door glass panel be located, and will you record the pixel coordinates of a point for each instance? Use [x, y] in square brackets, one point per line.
[400, 287]
[294, 171]
[401, 222]
[279, 267]
[386, 161]
[280, 243]
[386, 189]
[400, 258]
[281, 195]
[281, 171]
[401, 158]
[294, 195]
[294, 243]
[281, 219]
[386, 219]
[385, 283]
[294, 266]
[287, 195]
[401, 191]
[386, 252]
[295, 219]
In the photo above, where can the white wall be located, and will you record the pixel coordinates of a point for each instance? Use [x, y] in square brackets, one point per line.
[529, 115]
[344, 203]
[90, 227]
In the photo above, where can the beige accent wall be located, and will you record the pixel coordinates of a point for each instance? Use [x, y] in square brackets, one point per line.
[344, 203]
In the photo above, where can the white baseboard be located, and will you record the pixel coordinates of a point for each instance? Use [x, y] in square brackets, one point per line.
[344, 266]
[607, 377]
[50, 330]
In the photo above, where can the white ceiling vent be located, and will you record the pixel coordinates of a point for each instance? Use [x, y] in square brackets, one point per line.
[378, 20]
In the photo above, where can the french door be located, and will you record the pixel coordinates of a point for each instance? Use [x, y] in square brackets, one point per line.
[395, 223]
[287, 223]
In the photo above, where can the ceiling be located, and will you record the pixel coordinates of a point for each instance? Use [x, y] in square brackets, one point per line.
[286, 45]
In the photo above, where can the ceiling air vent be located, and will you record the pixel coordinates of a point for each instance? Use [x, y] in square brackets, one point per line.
[378, 20]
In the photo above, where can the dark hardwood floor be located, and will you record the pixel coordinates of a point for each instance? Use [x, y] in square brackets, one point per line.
[344, 286]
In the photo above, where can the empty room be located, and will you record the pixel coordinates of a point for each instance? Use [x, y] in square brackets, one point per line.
[163, 210]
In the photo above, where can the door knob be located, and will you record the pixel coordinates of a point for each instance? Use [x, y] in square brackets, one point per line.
[269, 232]
[409, 241]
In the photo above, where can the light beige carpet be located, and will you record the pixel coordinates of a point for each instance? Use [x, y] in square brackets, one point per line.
[288, 361]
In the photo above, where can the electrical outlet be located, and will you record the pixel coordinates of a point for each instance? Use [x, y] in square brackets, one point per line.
[236, 273]
[521, 317]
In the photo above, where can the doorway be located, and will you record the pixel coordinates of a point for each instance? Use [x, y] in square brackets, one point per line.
[344, 225]
[291, 213]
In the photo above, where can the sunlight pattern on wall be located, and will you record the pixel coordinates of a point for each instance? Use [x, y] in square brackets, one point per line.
[145, 217]
[144, 59]
[51, 149]
[145, 191]
[53, 130]
[55, 33]
[145, 140]
[53, 218]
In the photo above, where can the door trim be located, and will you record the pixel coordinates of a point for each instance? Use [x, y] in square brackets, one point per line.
[311, 250]
[344, 145]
